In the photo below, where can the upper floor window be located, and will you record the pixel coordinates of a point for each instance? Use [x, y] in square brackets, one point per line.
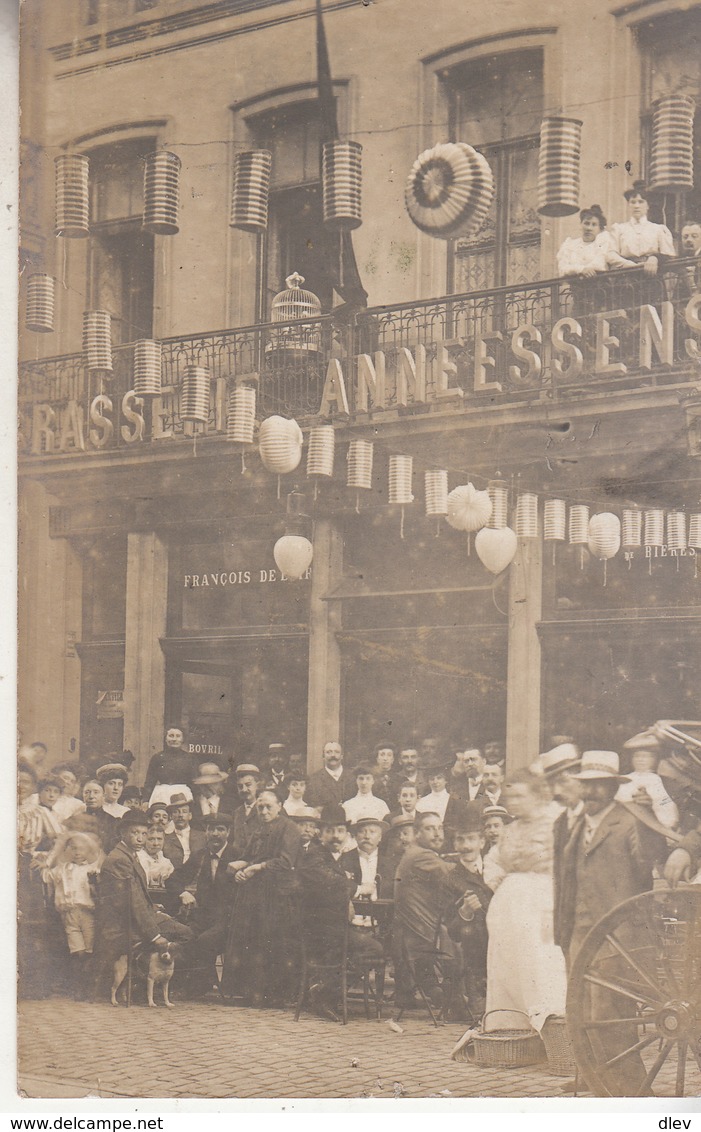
[496, 105]
[121, 253]
[670, 48]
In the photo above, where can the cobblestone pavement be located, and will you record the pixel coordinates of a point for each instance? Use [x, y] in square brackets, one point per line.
[207, 1050]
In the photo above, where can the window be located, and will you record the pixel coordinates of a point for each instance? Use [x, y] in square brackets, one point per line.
[121, 253]
[496, 105]
[671, 64]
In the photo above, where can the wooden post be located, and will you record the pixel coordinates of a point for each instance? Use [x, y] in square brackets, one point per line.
[324, 698]
[524, 660]
[144, 663]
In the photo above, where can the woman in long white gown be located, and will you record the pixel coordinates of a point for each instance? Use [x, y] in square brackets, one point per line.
[525, 969]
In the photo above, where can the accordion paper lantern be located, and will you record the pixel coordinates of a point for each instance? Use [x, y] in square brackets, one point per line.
[558, 166]
[97, 340]
[436, 491]
[604, 535]
[251, 190]
[161, 193]
[241, 415]
[695, 530]
[320, 453]
[360, 457]
[280, 444]
[341, 182]
[293, 556]
[449, 190]
[526, 524]
[654, 527]
[554, 520]
[194, 395]
[672, 155]
[579, 524]
[72, 199]
[676, 530]
[400, 473]
[499, 495]
[631, 528]
[468, 508]
[40, 303]
[147, 368]
[496, 547]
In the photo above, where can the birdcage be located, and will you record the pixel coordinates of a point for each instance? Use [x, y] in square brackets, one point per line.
[294, 304]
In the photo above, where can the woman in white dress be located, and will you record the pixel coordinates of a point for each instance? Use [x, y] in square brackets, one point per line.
[525, 969]
[594, 251]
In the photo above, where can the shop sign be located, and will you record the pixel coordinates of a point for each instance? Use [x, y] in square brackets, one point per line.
[665, 551]
[221, 579]
[110, 705]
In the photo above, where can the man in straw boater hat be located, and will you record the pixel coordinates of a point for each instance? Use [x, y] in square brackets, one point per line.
[208, 788]
[608, 858]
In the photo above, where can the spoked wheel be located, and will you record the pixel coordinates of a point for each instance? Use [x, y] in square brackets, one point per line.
[634, 998]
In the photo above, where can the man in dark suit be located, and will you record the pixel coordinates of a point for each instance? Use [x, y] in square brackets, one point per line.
[184, 840]
[125, 914]
[370, 864]
[467, 919]
[332, 784]
[246, 820]
[410, 771]
[608, 858]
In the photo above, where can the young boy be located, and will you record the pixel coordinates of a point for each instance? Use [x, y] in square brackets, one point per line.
[156, 866]
[73, 878]
[294, 803]
[467, 925]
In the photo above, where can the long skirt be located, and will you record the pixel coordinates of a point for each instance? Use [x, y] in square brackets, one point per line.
[525, 969]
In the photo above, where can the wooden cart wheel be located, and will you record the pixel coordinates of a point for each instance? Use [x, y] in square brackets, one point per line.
[634, 998]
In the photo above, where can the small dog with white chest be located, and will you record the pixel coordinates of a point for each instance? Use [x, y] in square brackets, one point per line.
[156, 967]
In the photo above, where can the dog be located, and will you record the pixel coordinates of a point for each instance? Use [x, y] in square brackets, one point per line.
[157, 968]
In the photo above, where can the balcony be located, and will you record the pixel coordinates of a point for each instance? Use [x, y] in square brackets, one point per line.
[546, 341]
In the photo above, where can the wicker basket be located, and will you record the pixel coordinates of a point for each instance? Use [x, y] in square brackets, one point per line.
[558, 1047]
[499, 1049]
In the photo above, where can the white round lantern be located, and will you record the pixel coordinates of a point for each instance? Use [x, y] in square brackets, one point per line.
[449, 190]
[280, 444]
[604, 536]
[468, 508]
[496, 547]
[293, 556]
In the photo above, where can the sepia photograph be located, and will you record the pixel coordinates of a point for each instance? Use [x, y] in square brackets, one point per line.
[359, 550]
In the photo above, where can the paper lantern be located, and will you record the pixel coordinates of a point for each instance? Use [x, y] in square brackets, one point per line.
[449, 190]
[293, 556]
[676, 530]
[97, 340]
[241, 415]
[194, 395]
[604, 535]
[579, 525]
[400, 472]
[147, 368]
[39, 314]
[554, 520]
[360, 457]
[280, 444]
[672, 151]
[161, 193]
[72, 199]
[631, 529]
[558, 166]
[695, 530]
[654, 527]
[468, 508]
[499, 495]
[526, 524]
[341, 184]
[322, 441]
[251, 190]
[496, 547]
[436, 491]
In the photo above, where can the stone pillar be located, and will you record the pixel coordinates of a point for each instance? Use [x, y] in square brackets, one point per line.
[324, 699]
[144, 662]
[523, 669]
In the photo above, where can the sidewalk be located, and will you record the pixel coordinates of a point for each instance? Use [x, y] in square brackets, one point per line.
[205, 1050]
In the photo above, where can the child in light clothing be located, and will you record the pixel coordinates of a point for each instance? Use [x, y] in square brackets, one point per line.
[152, 860]
[73, 874]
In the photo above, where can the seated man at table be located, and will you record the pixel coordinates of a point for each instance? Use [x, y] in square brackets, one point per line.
[370, 862]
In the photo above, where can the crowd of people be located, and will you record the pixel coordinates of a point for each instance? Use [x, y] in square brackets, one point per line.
[469, 890]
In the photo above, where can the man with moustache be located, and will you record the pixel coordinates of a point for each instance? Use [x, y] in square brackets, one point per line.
[332, 784]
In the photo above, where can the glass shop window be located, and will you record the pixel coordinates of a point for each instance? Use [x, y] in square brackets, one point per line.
[105, 589]
[121, 253]
[496, 105]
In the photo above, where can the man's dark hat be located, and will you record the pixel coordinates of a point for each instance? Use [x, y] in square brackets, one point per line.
[333, 814]
[178, 800]
[154, 807]
[134, 817]
[469, 819]
[213, 819]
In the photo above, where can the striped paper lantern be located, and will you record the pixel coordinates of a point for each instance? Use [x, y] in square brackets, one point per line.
[436, 491]
[695, 530]
[578, 530]
[676, 530]
[672, 153]
[97, 340]
[631, 528]
[360, 458]
[194, 395]
[499, 494]
[526, 524]
[558, 166]
[147, 368]
[554, 520]
[400, 473]
[72, 199]
[320, 453]
[161, 193]
[341, 183]
[449, 190]
[654, 527]
[39, 315]
[251, 190]
[241, 415]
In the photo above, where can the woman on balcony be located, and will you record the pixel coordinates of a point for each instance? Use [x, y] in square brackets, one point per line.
[594, 251]
[638, 239]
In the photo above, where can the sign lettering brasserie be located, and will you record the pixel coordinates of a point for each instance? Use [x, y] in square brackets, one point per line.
[407, 376]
